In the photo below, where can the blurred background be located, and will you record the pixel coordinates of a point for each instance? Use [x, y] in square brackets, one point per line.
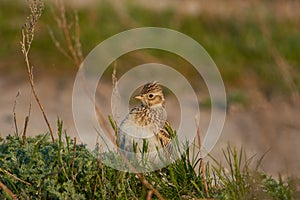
[255, 44]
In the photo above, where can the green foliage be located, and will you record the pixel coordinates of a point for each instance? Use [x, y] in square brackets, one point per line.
[41, 169]
[239, 180]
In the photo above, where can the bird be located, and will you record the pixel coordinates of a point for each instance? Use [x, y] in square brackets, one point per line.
[145, 128]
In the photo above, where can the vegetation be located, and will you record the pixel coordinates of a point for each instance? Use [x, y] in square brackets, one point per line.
[42, 169]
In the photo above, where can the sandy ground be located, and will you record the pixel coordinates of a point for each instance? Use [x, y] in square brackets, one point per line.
[271, 127]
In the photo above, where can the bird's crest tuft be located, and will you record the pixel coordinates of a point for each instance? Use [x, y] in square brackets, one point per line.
[152, 86]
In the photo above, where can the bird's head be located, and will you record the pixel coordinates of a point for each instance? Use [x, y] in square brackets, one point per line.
[151, 95]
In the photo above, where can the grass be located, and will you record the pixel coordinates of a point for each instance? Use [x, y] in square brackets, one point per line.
[63, 169]
[38, 168]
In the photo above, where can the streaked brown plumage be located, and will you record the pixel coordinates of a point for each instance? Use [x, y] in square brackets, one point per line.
[147, 121]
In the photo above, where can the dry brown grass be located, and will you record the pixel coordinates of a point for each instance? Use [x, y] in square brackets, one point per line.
[28, 30]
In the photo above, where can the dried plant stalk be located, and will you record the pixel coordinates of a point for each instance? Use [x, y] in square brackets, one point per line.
[8, 191]
[36, 8]
[149, 186]
[15, 115]
[73, 50]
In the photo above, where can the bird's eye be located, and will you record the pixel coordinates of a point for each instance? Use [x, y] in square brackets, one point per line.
[150, 96]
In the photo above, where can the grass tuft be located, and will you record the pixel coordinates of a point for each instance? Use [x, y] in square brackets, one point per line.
[41, 169]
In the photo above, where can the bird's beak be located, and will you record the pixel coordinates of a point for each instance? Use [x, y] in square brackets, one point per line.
[138, 97]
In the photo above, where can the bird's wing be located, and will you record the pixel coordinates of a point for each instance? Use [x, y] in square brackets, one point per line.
[165, 136]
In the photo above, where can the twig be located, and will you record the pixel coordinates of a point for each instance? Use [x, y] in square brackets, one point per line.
[8, 191]
[149, 186]
[15, 115]
[201, 158]
[36, 8]
[149, 195]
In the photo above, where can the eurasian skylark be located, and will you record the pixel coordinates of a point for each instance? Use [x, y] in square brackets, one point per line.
[144, 128]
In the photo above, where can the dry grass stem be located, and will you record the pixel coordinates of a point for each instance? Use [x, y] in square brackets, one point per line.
[149, 186]
[58, 45]
[149, 195]
[15, 115]
[36, 8]
[73, 50]
[25, 129]
[78, 46]
[8, 191]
